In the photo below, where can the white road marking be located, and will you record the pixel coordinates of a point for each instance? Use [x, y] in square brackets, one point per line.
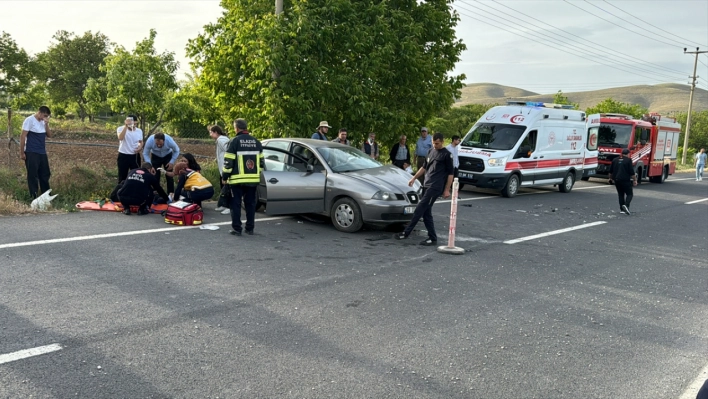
[696, 201]
[122, 234]
[23, 354]
[554, 232]
[692, 391]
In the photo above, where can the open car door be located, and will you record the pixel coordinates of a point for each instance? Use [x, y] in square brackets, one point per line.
[289, 190]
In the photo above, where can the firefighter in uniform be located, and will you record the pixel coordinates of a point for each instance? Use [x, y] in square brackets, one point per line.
[243, 163]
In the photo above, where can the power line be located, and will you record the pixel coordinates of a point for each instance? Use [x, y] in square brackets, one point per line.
[620, 26]
[586, 40]
[633, 16]
[578, 53]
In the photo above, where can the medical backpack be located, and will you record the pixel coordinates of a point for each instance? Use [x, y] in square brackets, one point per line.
[184, 214]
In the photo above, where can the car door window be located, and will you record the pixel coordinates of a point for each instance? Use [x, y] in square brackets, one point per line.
[275, 160]
[304, 153]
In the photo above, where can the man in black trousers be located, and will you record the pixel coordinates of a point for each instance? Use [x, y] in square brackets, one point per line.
[438, 169]
[624, 178]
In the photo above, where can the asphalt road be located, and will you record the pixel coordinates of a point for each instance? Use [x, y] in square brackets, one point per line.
[300, 310]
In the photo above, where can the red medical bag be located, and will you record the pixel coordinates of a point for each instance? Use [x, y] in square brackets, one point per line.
[184, 214]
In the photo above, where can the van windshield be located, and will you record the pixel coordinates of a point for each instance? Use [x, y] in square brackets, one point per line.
[614, 135]
[493, 136]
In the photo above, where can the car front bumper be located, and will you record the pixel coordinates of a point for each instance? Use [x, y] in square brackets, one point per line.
[386, 212]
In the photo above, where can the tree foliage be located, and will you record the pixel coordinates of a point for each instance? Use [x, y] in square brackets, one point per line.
[698, 137]
[366, 65]
[140, 82]
[560, 98]
[16, 70]
[609, 105]
[69, 64]
[458, 120]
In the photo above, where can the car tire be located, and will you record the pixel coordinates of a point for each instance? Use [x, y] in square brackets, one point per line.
[567, 183]
[512, 186]
[346, 215]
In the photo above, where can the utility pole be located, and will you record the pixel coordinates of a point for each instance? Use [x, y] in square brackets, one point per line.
[278, 7]
[690, 102]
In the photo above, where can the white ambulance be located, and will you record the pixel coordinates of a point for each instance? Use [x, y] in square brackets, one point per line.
[525, 144]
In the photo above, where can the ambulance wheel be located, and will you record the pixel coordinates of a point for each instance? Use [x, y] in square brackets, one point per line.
[512, 187]
[567, 183]
[585, 178]
[346, 215]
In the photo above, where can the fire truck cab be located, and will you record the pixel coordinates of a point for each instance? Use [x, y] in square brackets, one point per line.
[652, 142]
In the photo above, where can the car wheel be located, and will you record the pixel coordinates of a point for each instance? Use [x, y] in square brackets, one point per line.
[512, 186]
[346, 215]
[567, 183]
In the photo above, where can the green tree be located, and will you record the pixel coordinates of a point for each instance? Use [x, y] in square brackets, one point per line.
[609, 105]
[141, 81]
[458, 120]
[366, 65]
[559, 98]
[69, 64]
[16, 70]
[190, 110]
[699, 129]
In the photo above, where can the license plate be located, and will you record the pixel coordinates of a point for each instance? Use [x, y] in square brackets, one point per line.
[465, 175]
[408, 210]
[591, 171]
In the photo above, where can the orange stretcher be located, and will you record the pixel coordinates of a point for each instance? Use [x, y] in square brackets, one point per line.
[103, 205]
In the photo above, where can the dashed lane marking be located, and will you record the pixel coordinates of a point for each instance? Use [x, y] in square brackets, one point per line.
[121, 234]
[696, 201]
[554, 232]
[23, 354]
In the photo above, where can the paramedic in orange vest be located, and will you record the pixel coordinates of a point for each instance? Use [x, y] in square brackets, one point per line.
[243, 163]
[192, 185]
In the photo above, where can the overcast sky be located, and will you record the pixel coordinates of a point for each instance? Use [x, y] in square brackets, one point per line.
[541, 46]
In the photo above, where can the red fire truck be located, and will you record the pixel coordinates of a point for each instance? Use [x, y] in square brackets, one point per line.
[652, 142]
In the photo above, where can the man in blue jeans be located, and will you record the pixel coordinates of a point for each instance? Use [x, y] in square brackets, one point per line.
[700, 164]
[438, 169]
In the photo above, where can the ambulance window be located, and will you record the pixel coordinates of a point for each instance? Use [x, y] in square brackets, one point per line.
[528, 145]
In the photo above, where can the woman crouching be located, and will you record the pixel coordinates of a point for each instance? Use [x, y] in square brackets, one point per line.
[192, 185]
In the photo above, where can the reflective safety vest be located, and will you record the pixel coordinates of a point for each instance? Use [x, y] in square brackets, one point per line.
[243, 161]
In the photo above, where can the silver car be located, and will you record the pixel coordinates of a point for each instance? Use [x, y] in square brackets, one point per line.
[321, 177]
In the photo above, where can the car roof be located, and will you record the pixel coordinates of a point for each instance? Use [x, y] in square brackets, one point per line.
[309, 142]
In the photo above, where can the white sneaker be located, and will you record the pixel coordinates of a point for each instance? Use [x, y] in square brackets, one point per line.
[226, 211]
[219, 208]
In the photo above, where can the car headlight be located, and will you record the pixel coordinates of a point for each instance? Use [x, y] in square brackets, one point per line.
[384, 196]
[497, 162]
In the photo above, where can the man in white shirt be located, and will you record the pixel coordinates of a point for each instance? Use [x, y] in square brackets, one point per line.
[131, 144]
[35, 130]
[454, 147]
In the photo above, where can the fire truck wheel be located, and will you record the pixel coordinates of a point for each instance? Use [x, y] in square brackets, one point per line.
[512, 187]
[567, 183]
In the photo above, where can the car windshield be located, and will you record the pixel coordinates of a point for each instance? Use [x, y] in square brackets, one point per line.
[346, 159]
[614, 135]
[493, 136]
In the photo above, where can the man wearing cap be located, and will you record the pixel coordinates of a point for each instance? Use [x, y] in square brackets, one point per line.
[341, 137]
[321, 133]
[422, 147]
[624, 178]
[243, 163]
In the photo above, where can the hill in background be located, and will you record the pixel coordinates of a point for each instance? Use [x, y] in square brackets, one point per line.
[663, 98]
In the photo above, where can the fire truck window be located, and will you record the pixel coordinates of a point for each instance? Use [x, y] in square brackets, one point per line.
[637, 135]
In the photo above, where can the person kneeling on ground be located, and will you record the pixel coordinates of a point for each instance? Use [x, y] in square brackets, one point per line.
[139, 189]
[192, 185]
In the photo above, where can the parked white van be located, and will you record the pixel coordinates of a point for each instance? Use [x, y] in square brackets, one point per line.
[525, 144]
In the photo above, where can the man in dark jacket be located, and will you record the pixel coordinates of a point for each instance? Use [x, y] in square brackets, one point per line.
[138, 189]
[243, 163]
[624, 178]
[438, 170]
[400, 154]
